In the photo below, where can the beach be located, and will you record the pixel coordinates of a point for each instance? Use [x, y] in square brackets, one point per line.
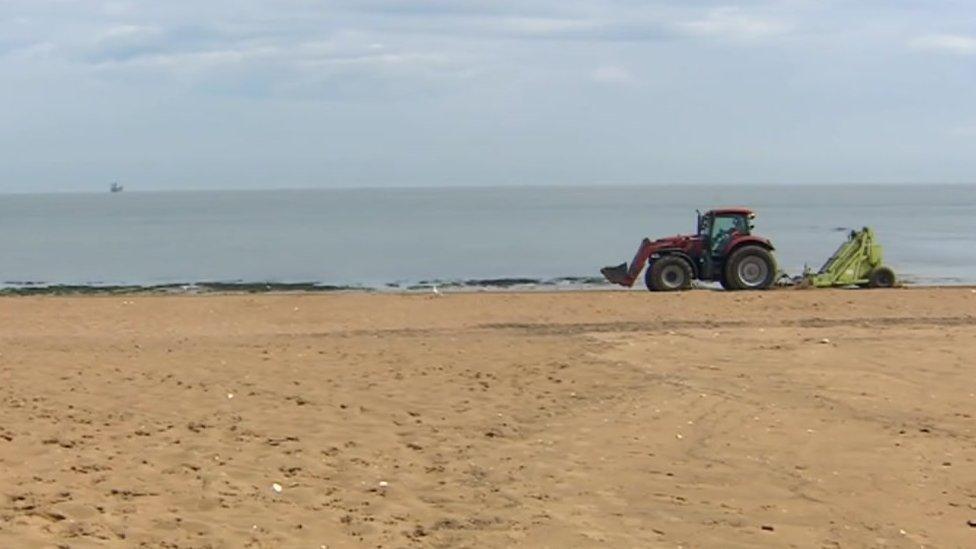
[788, 418]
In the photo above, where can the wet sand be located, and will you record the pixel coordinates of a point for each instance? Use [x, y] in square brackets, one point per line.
[624, 419]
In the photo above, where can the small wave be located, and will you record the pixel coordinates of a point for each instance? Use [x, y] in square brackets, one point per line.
[564, 282]
[41, 288]
[519, 283]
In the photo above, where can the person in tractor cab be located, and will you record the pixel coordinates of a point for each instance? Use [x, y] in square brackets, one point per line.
[725, 228]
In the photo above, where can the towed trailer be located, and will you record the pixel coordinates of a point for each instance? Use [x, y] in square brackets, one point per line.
[859, 261]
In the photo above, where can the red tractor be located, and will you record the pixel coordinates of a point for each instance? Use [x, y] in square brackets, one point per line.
[723, 250]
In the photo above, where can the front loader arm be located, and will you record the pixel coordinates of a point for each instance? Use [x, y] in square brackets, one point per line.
[625, 276]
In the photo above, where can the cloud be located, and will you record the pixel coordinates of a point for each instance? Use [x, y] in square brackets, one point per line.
[957, 44]
[347, 65]
[142, 43]
[123, 42]
[612, 74]
[34, 51]
[733, 23]
[544, 26]
[964, 131]
[428, 8]
[16, 47]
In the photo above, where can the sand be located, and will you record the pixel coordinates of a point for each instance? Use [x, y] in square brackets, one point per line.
[627, 419]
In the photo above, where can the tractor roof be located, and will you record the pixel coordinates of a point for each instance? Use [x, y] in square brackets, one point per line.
[731, 211]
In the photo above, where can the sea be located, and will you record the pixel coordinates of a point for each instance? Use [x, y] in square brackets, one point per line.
[411, 239]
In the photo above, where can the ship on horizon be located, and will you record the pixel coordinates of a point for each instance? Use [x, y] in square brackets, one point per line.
[116, 187]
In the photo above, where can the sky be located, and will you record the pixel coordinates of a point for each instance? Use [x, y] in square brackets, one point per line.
[248, 94]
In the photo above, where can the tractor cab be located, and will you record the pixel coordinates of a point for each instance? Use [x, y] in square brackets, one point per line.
[717, 227]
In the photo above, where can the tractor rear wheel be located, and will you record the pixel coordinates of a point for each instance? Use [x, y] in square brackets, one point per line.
[668, 274]
[750, 268]
[881, 277]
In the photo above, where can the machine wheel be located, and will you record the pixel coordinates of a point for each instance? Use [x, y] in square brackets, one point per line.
[668, 274]
[750, 268]
[881, 277]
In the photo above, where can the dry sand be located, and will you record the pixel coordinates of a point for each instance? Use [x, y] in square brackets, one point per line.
[623, 419]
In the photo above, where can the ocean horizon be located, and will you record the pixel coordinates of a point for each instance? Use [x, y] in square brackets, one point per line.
[409, 237]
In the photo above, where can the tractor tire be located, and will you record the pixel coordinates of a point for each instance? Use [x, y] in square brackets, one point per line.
[881, 277]
[668, 274]
[750, 268]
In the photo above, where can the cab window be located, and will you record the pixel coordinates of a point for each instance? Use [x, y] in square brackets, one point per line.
[723, 227]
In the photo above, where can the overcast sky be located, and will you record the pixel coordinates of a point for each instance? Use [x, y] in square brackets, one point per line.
[182, 94]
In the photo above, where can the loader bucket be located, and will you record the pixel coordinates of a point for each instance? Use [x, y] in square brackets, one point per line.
[616, 275]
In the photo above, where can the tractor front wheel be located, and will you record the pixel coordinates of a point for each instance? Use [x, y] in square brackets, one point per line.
[881, 277]
[750, 268]
[668, 274]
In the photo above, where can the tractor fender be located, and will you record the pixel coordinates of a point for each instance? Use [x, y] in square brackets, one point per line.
[679, 253]
[748, 240]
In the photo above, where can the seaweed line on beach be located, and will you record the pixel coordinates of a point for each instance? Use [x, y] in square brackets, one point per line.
[20, 288]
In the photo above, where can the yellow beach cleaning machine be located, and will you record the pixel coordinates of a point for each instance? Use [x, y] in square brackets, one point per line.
[857, 262]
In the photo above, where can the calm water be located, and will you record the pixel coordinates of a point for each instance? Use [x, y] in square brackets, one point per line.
[375, 237]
